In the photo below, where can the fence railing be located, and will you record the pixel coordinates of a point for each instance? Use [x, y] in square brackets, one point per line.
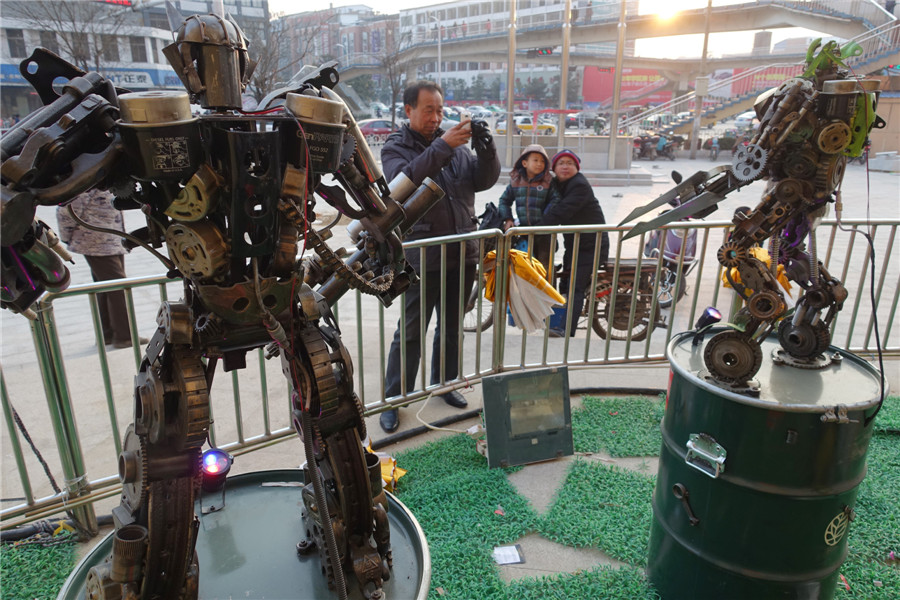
[88, 392]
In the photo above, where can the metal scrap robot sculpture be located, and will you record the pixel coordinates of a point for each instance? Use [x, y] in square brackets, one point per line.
[229, 194]
[808, 127]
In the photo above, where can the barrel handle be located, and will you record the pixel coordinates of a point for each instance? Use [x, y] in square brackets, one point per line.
[705, 454]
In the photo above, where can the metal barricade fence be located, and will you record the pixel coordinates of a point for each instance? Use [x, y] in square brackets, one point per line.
[88, 391]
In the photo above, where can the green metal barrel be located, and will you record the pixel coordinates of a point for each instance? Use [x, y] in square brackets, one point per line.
[756, 488]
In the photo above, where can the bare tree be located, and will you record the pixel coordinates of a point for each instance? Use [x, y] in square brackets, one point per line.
[393, 59]
[281, 46]
[85, 30]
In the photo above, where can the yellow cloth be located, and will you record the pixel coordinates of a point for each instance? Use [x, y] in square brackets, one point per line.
[529, 269]
[390, 472]
[762, 255]
[530, 296]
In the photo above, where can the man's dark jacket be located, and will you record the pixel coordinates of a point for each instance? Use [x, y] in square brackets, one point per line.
[459, 173]
[577, 205]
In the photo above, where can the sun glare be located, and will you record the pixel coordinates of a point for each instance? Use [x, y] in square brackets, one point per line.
[663, 9]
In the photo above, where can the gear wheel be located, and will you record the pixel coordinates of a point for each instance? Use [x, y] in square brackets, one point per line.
[193, 410]
[834, 137]
[731, 254]
[765, 305]
[133, 467]
[789, 191]
[749, 162]
[804, 340]
[732, 357]
[348, 149]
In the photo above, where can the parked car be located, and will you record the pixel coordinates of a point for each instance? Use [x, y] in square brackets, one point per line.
[746, 120]
[525, 125]
[584, 118]
[372, 127]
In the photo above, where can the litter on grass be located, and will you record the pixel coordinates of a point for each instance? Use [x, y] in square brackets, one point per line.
[508, 555]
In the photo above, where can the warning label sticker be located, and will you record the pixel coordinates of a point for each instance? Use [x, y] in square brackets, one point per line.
[170, 153]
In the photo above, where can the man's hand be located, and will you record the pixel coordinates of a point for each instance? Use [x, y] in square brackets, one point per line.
[458, 135]
[507, 224]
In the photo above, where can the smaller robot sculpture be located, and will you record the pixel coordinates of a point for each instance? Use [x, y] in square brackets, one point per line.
[229, 194]
[808, 127]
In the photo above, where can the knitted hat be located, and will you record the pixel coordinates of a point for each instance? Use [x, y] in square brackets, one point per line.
[568, 153]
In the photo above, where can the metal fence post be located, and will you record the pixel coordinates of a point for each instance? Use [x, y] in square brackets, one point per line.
[61, 415]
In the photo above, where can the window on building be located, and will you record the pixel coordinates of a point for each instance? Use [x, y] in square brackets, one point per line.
[158, 20]
[109, 48]
[138, 49]
[80, 46]
[49, 41]
[153, 50]
[16, 40]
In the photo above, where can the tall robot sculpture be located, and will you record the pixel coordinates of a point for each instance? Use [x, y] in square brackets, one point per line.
[808, 127]
[229, 195]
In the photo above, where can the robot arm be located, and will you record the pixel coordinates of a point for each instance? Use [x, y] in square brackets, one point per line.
[809, 125]
[54, 154]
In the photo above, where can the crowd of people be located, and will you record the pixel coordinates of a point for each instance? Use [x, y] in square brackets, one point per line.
[543, 191]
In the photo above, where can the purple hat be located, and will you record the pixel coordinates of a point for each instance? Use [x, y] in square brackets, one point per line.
[568, 153]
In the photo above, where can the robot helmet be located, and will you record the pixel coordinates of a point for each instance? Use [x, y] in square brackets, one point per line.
[209, 55]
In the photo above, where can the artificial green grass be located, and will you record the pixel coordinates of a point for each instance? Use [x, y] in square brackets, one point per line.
[608, 508]
[602, 507]
[619, 426]
[29, 571]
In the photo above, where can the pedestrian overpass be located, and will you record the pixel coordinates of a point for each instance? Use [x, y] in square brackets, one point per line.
[476, 42]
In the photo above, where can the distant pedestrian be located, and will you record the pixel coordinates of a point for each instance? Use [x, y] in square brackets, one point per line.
[104, 254]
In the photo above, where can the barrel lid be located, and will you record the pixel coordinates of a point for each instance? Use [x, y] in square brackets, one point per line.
[846, 379]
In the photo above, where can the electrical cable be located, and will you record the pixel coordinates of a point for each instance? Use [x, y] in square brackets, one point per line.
[167, 262]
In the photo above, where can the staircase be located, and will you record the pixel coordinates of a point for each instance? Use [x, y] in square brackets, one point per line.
[880, 48]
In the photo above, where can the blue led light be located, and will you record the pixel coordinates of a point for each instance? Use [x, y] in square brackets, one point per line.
[214, 467]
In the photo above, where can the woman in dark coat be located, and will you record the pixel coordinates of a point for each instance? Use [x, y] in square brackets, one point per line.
[576, 205]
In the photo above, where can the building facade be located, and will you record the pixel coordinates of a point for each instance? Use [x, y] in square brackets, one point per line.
[122, 39]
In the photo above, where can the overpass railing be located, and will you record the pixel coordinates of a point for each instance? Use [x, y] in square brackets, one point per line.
[72, 399]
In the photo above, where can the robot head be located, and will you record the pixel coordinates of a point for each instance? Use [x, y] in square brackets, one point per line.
[209, 54]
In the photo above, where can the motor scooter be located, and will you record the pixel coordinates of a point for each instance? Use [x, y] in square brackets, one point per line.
[673, 144]
[679, 254]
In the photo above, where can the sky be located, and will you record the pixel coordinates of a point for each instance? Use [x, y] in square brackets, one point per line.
[689, 46]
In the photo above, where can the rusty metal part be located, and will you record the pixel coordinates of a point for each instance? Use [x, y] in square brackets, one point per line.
[731, 254]
[331, 262]
[804, 340]
[192, 421]
[171, 528]
[789, 191]
[238, 303]
[765, 305]
[198, 197]
[801, 165]
[175, 319]
[286, 251]
[829, 174]
[133, 467]
[833, 137]
[732, 356]
[149, 412]
[198, 249]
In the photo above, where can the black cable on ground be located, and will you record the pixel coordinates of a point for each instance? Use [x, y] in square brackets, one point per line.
[45, 526]
[417, 431]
